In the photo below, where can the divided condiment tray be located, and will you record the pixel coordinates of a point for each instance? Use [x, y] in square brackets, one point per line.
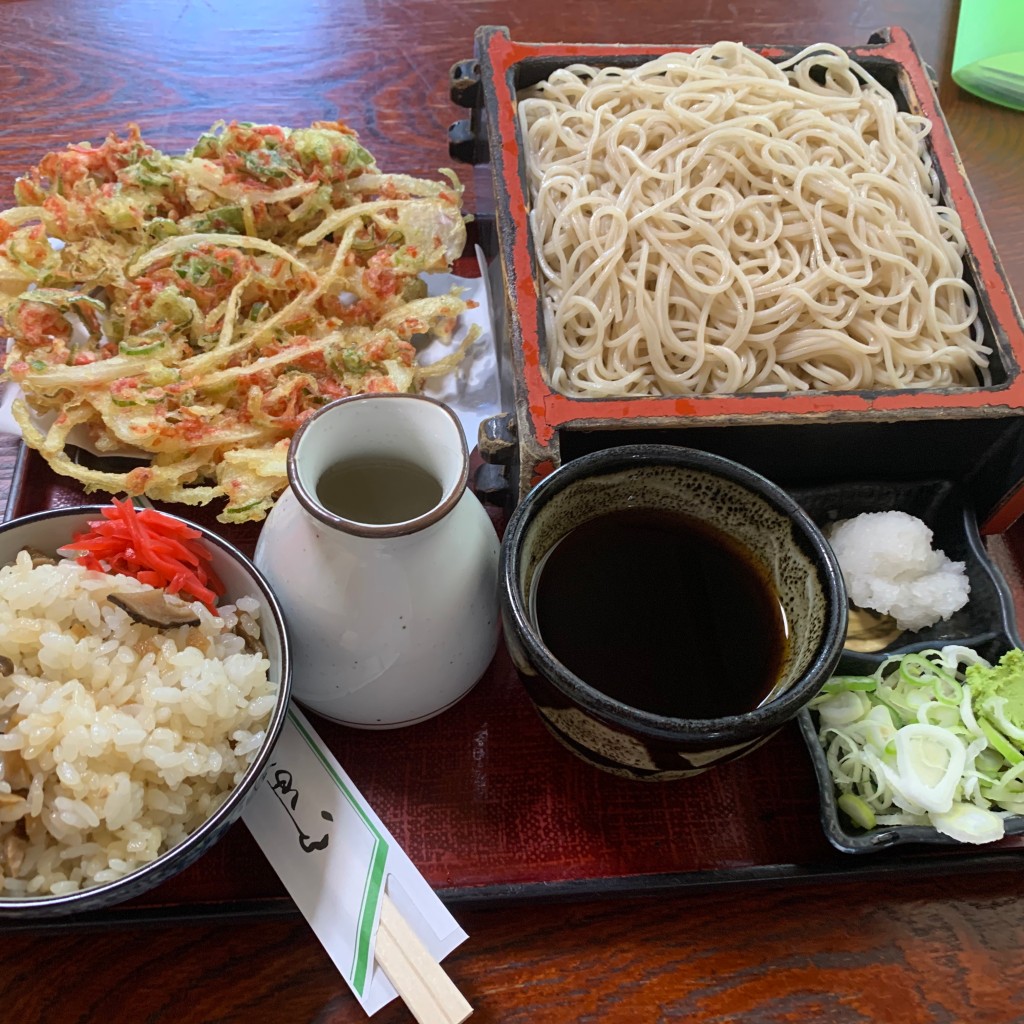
[986, 624]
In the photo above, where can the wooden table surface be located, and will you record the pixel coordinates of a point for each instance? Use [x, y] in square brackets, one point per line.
[937, 949]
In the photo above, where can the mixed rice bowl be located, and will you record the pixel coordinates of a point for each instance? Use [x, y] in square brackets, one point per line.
[120, 739]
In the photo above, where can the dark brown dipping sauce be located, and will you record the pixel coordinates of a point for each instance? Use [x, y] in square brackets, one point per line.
[662, 612]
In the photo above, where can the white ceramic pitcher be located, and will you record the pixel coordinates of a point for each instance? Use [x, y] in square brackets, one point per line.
[389, 623]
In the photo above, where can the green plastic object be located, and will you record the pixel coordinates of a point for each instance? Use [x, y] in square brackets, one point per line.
[988, 59]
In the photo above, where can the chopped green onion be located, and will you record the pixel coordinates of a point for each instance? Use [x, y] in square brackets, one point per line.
[857, 810]
[906, 746]
[1000, 742]
[838, 683]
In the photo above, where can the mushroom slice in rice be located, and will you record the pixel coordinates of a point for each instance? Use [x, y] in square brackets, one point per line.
[38, 557]
[155, 608]
[12, 854]
[249, 630]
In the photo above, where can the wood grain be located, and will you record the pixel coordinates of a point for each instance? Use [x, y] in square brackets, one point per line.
[903, 954]
[942, 949]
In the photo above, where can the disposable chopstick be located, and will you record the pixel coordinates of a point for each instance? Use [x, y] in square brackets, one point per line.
[418, 978]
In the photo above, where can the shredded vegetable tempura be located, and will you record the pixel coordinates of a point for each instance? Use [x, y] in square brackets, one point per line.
[199, 307]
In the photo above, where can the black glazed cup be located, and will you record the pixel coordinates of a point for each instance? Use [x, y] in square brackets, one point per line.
[761, 517]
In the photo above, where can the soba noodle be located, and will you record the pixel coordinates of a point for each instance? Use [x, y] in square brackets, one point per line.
[717, 223]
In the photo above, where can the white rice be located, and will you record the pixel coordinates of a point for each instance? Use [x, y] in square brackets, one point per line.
[889, 565]
[117, 740]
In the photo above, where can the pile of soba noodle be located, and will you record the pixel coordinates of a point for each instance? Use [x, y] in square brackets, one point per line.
[716, 223]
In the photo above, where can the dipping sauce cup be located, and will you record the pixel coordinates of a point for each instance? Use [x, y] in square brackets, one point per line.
[667, 609]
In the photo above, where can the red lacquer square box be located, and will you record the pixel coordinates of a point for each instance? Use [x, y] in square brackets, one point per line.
[969, 435]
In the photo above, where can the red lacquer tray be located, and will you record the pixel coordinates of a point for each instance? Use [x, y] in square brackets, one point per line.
[490, 807]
